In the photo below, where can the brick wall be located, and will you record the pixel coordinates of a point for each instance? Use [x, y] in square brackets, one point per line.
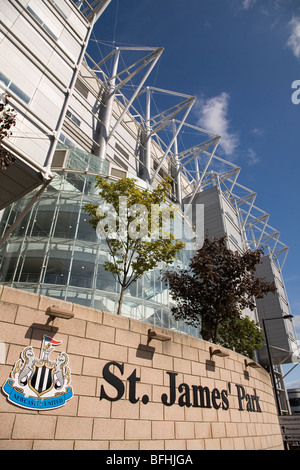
[94, 338]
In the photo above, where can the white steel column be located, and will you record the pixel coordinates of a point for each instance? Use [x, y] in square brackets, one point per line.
[109, 102]
[148, 136]
[177, 165]
[69, 93]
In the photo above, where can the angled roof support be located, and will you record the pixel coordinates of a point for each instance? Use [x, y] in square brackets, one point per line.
[198, 184]
[190, 103]
[163, 119]
[264, 218]
[93, 9]
[97, 66]
[271, 236]
[254, 224]
[150, 60]
[276, 236]
[252, 197]
[159, 122]
[284, 250]
[193, 153]
[256, 220]
[196, 151]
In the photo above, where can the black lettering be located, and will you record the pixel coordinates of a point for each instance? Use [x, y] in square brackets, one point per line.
[225, 402]
[133, 379]
[241, 396]
[164, 397]
[255, 401]
[198, 392]
[112, 380]
[249, 403]
[215, 395]
[184, 399]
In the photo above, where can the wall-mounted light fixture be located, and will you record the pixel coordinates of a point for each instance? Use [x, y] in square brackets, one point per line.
[252, 364]
[159, 336]
[217, 352]
[57, 312]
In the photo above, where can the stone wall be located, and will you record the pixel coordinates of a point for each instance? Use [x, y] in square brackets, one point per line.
[133, 412]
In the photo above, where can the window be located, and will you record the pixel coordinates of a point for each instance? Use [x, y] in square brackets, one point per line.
[295, 401]
[230, 217]
[9, 85]
[59, 9]
[83, 90]
[73, 118]
[234, 239]
[41, 22]
[59, 158]
[65, 140]
[161, 172]
[120, 163]
[118, 173]
[122, 151]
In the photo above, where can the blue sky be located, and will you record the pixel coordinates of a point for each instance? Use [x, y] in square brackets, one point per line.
[239, 58]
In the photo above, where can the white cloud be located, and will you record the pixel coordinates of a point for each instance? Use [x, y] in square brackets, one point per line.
[296, 321]
[252, 158]
[292, 384]
[294, 39]
[213, 116]
[248, 4]
[258, 131]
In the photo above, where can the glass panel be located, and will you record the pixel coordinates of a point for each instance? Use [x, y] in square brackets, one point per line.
[90, 186]
[85, 230]
[15, 89]
[82, 274]
[31, 269]
[58, 264]
[42, 220]
[79, 296]
[8, 266]
[105, 280]
[77, 180]
[67, 219]
[4, 79]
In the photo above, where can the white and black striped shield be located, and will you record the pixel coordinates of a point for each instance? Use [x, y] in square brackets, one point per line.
[42, 378]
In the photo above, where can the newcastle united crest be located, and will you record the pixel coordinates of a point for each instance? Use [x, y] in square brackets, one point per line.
[40, 384]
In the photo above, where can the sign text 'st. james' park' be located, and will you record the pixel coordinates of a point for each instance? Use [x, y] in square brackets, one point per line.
[197, 396]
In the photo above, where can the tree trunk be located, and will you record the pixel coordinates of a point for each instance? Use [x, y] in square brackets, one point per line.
[121, 300]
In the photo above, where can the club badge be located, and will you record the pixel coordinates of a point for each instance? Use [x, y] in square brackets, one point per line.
[40, 384]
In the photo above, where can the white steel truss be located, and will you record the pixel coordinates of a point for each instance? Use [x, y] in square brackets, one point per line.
[201, 169]
[117, 81]
[160, 121]
[92, 9]
[197, 167]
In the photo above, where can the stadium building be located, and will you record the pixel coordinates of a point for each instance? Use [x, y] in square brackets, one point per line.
[75, 120]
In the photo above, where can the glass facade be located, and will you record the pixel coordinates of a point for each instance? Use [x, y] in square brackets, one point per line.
[55, 252]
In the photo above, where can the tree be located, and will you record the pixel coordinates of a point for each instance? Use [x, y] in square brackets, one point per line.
[7, 120]
[132, 222]
[218, 286]
[240, 334]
